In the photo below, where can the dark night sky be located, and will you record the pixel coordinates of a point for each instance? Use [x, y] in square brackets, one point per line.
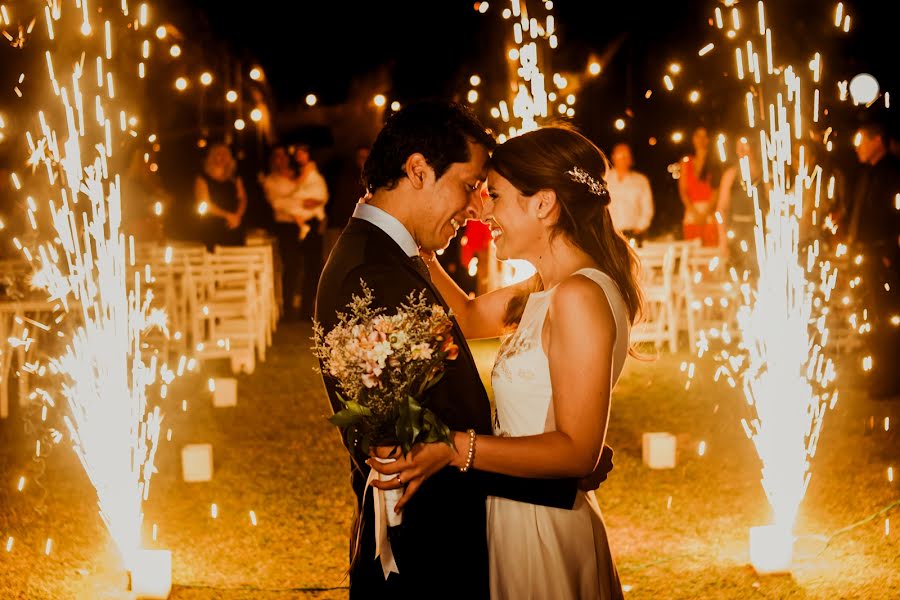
[427, 42]
[429, 48]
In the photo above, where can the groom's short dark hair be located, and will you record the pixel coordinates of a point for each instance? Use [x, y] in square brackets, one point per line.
[437, 129]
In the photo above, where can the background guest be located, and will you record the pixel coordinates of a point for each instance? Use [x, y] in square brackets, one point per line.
[631, 199]
[280, 189]
[874, 229]
[223, 194]
[697, 189]
[737, 208]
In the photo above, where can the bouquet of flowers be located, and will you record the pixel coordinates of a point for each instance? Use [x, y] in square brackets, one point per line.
[382, 365]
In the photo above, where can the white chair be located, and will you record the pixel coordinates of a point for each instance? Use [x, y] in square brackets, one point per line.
[709, 294]
[168, 264]
[224, 312]
[658, 323]
[262, 262]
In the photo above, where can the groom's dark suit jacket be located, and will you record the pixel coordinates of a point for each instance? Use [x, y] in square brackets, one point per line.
[441, 546]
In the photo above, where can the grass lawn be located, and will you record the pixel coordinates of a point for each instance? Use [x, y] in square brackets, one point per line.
[679, 533]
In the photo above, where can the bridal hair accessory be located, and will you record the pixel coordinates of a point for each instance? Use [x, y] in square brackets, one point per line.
[598, 188]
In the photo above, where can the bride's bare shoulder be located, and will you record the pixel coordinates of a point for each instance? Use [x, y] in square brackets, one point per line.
[580, 302]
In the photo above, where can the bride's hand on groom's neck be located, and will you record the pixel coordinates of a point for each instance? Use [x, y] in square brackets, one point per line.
[428, 256]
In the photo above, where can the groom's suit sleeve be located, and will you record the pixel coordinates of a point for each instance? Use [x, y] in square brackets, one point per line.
[390, 288]
[555, 493]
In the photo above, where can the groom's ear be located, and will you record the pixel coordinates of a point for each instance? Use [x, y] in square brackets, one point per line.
[417, 169]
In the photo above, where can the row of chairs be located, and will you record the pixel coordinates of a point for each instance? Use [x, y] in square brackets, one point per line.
[687, 288]
[220, 304]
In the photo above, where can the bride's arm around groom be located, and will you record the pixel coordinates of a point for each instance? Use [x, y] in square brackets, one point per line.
[580, 355]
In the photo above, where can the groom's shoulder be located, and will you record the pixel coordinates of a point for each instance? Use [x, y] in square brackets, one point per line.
[358, 247]
[359, 254]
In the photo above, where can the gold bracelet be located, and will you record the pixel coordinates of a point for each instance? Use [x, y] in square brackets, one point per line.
[470, 457]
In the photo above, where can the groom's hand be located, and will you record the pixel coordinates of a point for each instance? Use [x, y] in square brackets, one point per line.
[423, 461]
[604, 466]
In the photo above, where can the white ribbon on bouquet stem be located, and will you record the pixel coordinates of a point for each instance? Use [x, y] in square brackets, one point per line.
[384, 515]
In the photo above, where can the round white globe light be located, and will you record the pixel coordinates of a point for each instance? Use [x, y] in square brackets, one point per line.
[863, 88]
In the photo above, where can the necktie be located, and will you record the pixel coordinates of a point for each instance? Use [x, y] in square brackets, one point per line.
[421, 267]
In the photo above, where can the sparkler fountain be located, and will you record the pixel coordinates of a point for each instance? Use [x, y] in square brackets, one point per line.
[84, 269]
[786, 377]
[529, 102]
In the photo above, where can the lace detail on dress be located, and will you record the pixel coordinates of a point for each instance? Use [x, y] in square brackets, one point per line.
[513, 345]
[517, 343]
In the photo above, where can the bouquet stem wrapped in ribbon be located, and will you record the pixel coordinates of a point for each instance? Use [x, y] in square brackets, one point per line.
[383, 366]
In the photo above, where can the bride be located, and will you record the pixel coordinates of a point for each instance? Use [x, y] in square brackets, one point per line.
[554, 374]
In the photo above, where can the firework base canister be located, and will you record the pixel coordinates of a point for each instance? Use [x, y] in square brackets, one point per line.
[151, 575]
[771, 549]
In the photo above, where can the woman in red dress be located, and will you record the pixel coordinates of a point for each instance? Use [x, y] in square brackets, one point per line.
[697, 188]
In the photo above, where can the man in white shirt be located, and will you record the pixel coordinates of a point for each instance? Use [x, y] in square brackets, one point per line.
[631, 200]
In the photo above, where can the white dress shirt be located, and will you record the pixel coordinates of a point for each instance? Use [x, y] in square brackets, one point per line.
[280, 191]
[311, 186]
[631, 201]
[388, 224]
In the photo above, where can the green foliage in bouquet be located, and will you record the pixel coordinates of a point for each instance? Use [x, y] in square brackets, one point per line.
[383, 366]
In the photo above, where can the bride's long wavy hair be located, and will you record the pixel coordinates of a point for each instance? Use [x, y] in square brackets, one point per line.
[541, 160]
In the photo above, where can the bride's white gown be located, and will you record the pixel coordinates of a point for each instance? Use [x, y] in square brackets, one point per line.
[537, 552]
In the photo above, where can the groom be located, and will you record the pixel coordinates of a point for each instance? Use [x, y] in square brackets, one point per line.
[424, 174]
